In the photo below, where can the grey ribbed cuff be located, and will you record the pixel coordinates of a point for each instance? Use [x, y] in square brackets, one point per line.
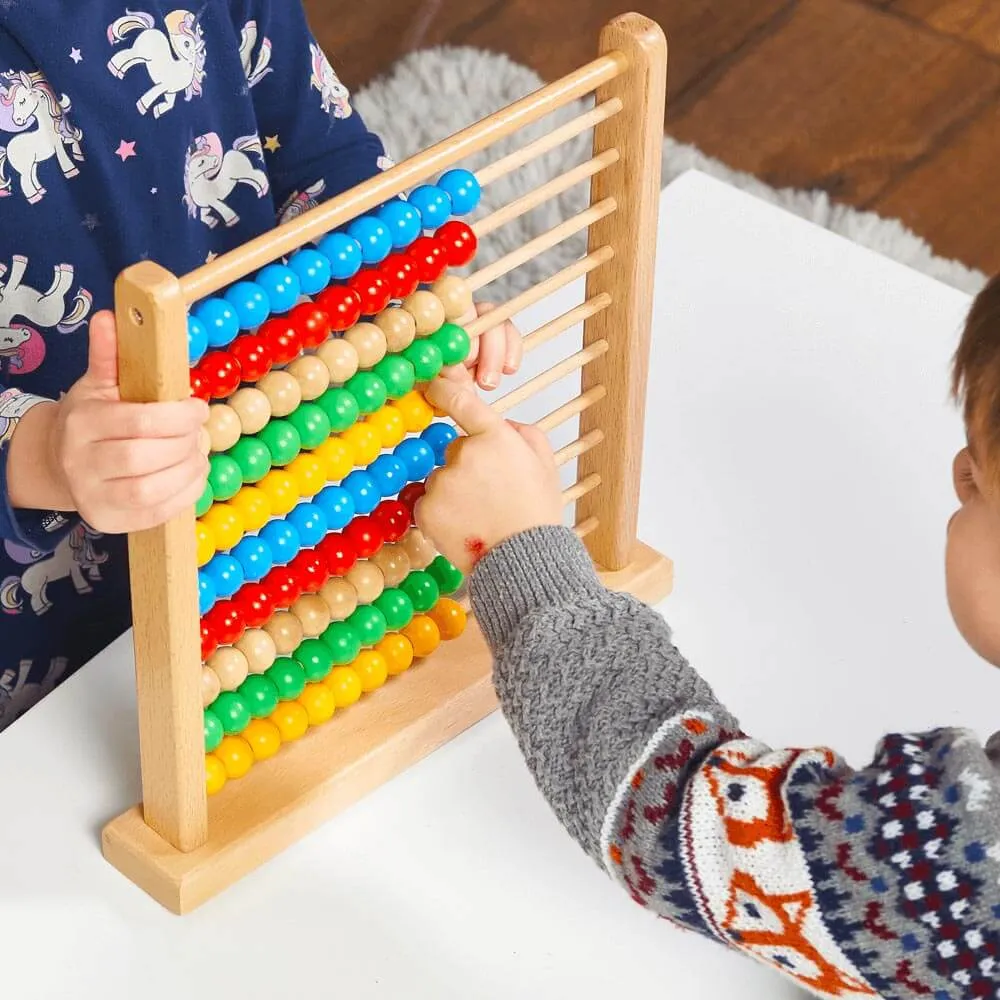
[533, 570]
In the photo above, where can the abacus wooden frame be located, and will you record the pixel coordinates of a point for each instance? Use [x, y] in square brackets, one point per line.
[179, 846]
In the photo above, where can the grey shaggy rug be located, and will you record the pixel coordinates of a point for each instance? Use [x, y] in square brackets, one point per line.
[434, 93]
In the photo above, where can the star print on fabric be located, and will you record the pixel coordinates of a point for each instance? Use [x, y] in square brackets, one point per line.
[76, 55]
[211, 256]
[90, 222]
[154, 190]
[271, 144]
[126, 150]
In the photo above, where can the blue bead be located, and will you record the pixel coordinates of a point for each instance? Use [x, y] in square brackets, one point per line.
[344, 254]
[250, 302]
[281, 285]
[418, 457]
[463, 189]
[373, 235]
[312, 269]
[439, 436]
[197, 340]
[254, 556]
[390, 474]
[364, 491]
[403, 221]
[226, 574]
[220, 321]
[206, 593]
[432, 203]
[310, 522]
[283, 541]
[338, 506]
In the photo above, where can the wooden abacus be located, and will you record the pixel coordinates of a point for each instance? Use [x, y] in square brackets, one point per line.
[183, 846]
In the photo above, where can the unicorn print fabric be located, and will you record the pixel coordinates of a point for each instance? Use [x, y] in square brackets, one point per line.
[132, 131]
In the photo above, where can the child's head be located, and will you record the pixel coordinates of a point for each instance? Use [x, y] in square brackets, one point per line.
[973, 560]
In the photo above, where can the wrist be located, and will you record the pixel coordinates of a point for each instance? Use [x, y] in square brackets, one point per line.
[35, 479]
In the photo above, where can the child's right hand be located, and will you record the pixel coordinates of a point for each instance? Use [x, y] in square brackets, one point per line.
[127, 466]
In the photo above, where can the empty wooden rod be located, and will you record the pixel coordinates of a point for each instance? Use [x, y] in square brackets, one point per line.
[502, 313]
[560, 324]
[579, 447]
[545, 241]
[584, 528]
[581, 488]
[549, 141]
[571, 409]
[544, 192]
[550, 376]
[375, 191]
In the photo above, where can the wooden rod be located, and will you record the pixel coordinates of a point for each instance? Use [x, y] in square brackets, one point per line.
[543, 193]
[550, 376]
[237, 264]
[586, 527]
[502, 313]
[560, 324]
[569, 410]
[581, 488]
[541, 243]
[539, 147]
[579, 447]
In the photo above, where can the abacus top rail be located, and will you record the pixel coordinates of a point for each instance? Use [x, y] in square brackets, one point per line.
[257, 253]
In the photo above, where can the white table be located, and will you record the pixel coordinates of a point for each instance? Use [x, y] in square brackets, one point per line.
[798, 452]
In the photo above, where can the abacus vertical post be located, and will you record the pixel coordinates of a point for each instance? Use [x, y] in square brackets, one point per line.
[634, 183]
[153, 367]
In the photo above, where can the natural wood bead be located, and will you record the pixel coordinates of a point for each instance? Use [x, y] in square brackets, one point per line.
[286, 631]
[312, 375]
[204, 440]
[394, 563]
[231, 667]
[282, 391]
[341, 598]
[314, 614]
[259, 649]
[370, 343]
[224, 427]
[399, 327]
[420, 551]
[455, 296]
[426, 310]
[367, 580]
[211, 686]
[340, 358]
[253, 409]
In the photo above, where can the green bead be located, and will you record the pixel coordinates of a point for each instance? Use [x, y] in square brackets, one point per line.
[369, 391]
[343, 642]
[233, 712]
[398, 375]
[340, 407]
[316, 659]
[422, 589]
[224, 476]
[448, 577]
[425, 356]
[453, 343]
[396, 608]
[253, 458]
[282, 441]
[287, 676]
[213, 730]
[369, 623]
[260, 694]
[205, 501]
[312, 423]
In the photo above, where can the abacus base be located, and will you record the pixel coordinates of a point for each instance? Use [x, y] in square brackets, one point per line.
[334, 765]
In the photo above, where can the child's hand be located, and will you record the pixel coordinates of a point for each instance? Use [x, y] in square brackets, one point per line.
[496, 352]
[127, 466]
[501, 480]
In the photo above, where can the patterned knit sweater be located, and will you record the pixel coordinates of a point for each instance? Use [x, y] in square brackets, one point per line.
[879, 882]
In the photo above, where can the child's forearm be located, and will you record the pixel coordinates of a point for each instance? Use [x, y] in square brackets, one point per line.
[33, 482]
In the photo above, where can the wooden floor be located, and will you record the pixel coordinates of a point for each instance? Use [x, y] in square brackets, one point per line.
[890, 105]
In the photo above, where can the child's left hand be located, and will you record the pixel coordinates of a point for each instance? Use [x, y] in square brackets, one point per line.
[495, 353]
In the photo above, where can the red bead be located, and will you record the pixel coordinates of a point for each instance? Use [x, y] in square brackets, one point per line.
[392, 518]
[312, 322]
[458, 241]
[429, 257]
[282, 336]
[226, 622]
[311, 569]
[339, 553]
[401, 273]
[222, 373]
[283, 584]
[209, 644]
[373, 290]
[254, 356]
[365, 535]
[342, 306]
[256, 604]
[199, 385]
[411, 494]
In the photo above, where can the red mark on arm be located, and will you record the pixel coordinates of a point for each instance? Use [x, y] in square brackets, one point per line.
[476, 548]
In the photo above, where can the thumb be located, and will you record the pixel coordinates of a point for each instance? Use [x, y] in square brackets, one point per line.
[102, 363]
[460, 401]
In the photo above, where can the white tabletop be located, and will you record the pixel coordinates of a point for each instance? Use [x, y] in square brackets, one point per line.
[798, 451]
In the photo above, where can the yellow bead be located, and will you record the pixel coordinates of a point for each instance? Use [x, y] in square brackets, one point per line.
[225, 524]
[264, 738]
[309, 473]
[398, 653]
[345, 686]
[371, 668]
[337, 457]
[388, 424]
[215, 774]
[424, 634]
[205, 543]
[282, 491]
[291, 719]
[254, 506]
[364, 442]
[319, 703]
[236, 756]
[415, 411]
[450, 618]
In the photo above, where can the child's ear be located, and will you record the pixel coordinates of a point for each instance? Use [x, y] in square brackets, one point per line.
[963, 476]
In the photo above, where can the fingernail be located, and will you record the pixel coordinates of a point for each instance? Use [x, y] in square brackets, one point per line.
[489, 380]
